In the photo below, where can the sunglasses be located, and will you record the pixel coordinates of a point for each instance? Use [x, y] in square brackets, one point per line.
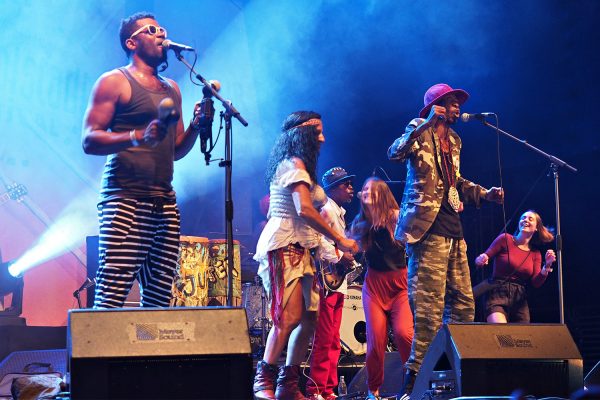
[150, 30]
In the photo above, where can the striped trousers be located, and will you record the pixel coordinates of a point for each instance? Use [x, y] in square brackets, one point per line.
[139, 238]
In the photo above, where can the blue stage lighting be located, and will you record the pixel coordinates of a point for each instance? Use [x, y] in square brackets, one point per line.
[9, 282]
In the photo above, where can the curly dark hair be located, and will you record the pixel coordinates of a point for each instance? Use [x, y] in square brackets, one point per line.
[296, 141]
[129, 25]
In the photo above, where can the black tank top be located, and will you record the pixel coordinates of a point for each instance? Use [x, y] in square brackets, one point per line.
[143, 171]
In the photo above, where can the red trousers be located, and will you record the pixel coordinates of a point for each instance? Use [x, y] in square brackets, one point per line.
[326, 346]
[385, 299]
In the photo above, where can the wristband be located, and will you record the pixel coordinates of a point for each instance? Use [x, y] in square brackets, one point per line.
[133, 139]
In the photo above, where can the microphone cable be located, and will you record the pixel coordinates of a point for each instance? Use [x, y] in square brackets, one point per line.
[374, 173]
[198, 83]
[499, 157]
[542, 174]
[504, 228]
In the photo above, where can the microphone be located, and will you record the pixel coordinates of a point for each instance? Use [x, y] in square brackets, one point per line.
[204, 119]
[167, 112]
[169, 45]
[479, 116]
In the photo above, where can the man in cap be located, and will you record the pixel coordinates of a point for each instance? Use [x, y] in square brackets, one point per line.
[326, 345]
[429, 221]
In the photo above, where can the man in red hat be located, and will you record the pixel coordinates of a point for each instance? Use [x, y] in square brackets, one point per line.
[429, 221]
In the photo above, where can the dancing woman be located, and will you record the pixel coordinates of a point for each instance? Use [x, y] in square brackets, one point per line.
[385, 291]
[517, 261]
[284, 252]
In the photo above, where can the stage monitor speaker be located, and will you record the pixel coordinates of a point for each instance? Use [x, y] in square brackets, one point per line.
[496, 359]
[171, 353]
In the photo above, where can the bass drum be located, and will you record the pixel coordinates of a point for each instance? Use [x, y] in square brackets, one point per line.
[353, 330]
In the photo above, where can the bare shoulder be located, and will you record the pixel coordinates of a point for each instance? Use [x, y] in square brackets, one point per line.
[173, 84]
[114, 79]
[112, 85]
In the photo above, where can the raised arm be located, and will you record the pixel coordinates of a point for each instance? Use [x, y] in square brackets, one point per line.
[406, 144]
[540, 274]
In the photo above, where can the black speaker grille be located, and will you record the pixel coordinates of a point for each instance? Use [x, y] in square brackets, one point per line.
[153, 378]
[500, 377]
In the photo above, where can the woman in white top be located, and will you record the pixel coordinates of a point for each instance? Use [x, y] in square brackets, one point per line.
[283, 251]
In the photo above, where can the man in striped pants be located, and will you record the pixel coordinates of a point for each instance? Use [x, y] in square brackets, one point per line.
[139, 219]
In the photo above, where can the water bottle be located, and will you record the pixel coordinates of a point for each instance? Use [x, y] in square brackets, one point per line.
[342, 388]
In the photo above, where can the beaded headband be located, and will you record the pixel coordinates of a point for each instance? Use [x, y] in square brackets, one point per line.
[312, 121]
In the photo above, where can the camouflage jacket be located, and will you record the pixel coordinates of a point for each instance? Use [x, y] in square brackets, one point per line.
[424, 189]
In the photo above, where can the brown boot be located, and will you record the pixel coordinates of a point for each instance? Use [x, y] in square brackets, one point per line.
[287, 384]
[264, 381]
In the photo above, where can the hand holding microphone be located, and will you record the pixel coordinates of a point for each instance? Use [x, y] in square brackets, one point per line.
[204, 110]
[436, 114]
[157, 130]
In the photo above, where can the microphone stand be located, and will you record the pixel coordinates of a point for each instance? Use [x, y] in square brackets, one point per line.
[86, 285]
[555, 164]
[230, 111]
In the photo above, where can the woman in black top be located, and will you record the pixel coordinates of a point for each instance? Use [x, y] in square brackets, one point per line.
[385, 290]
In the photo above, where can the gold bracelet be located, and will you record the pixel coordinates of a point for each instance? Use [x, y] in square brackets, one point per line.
[133, 139]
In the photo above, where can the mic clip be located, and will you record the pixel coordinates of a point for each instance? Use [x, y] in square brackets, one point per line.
[88, 283]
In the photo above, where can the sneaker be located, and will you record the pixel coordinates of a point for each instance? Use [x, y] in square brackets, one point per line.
[407, 385]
